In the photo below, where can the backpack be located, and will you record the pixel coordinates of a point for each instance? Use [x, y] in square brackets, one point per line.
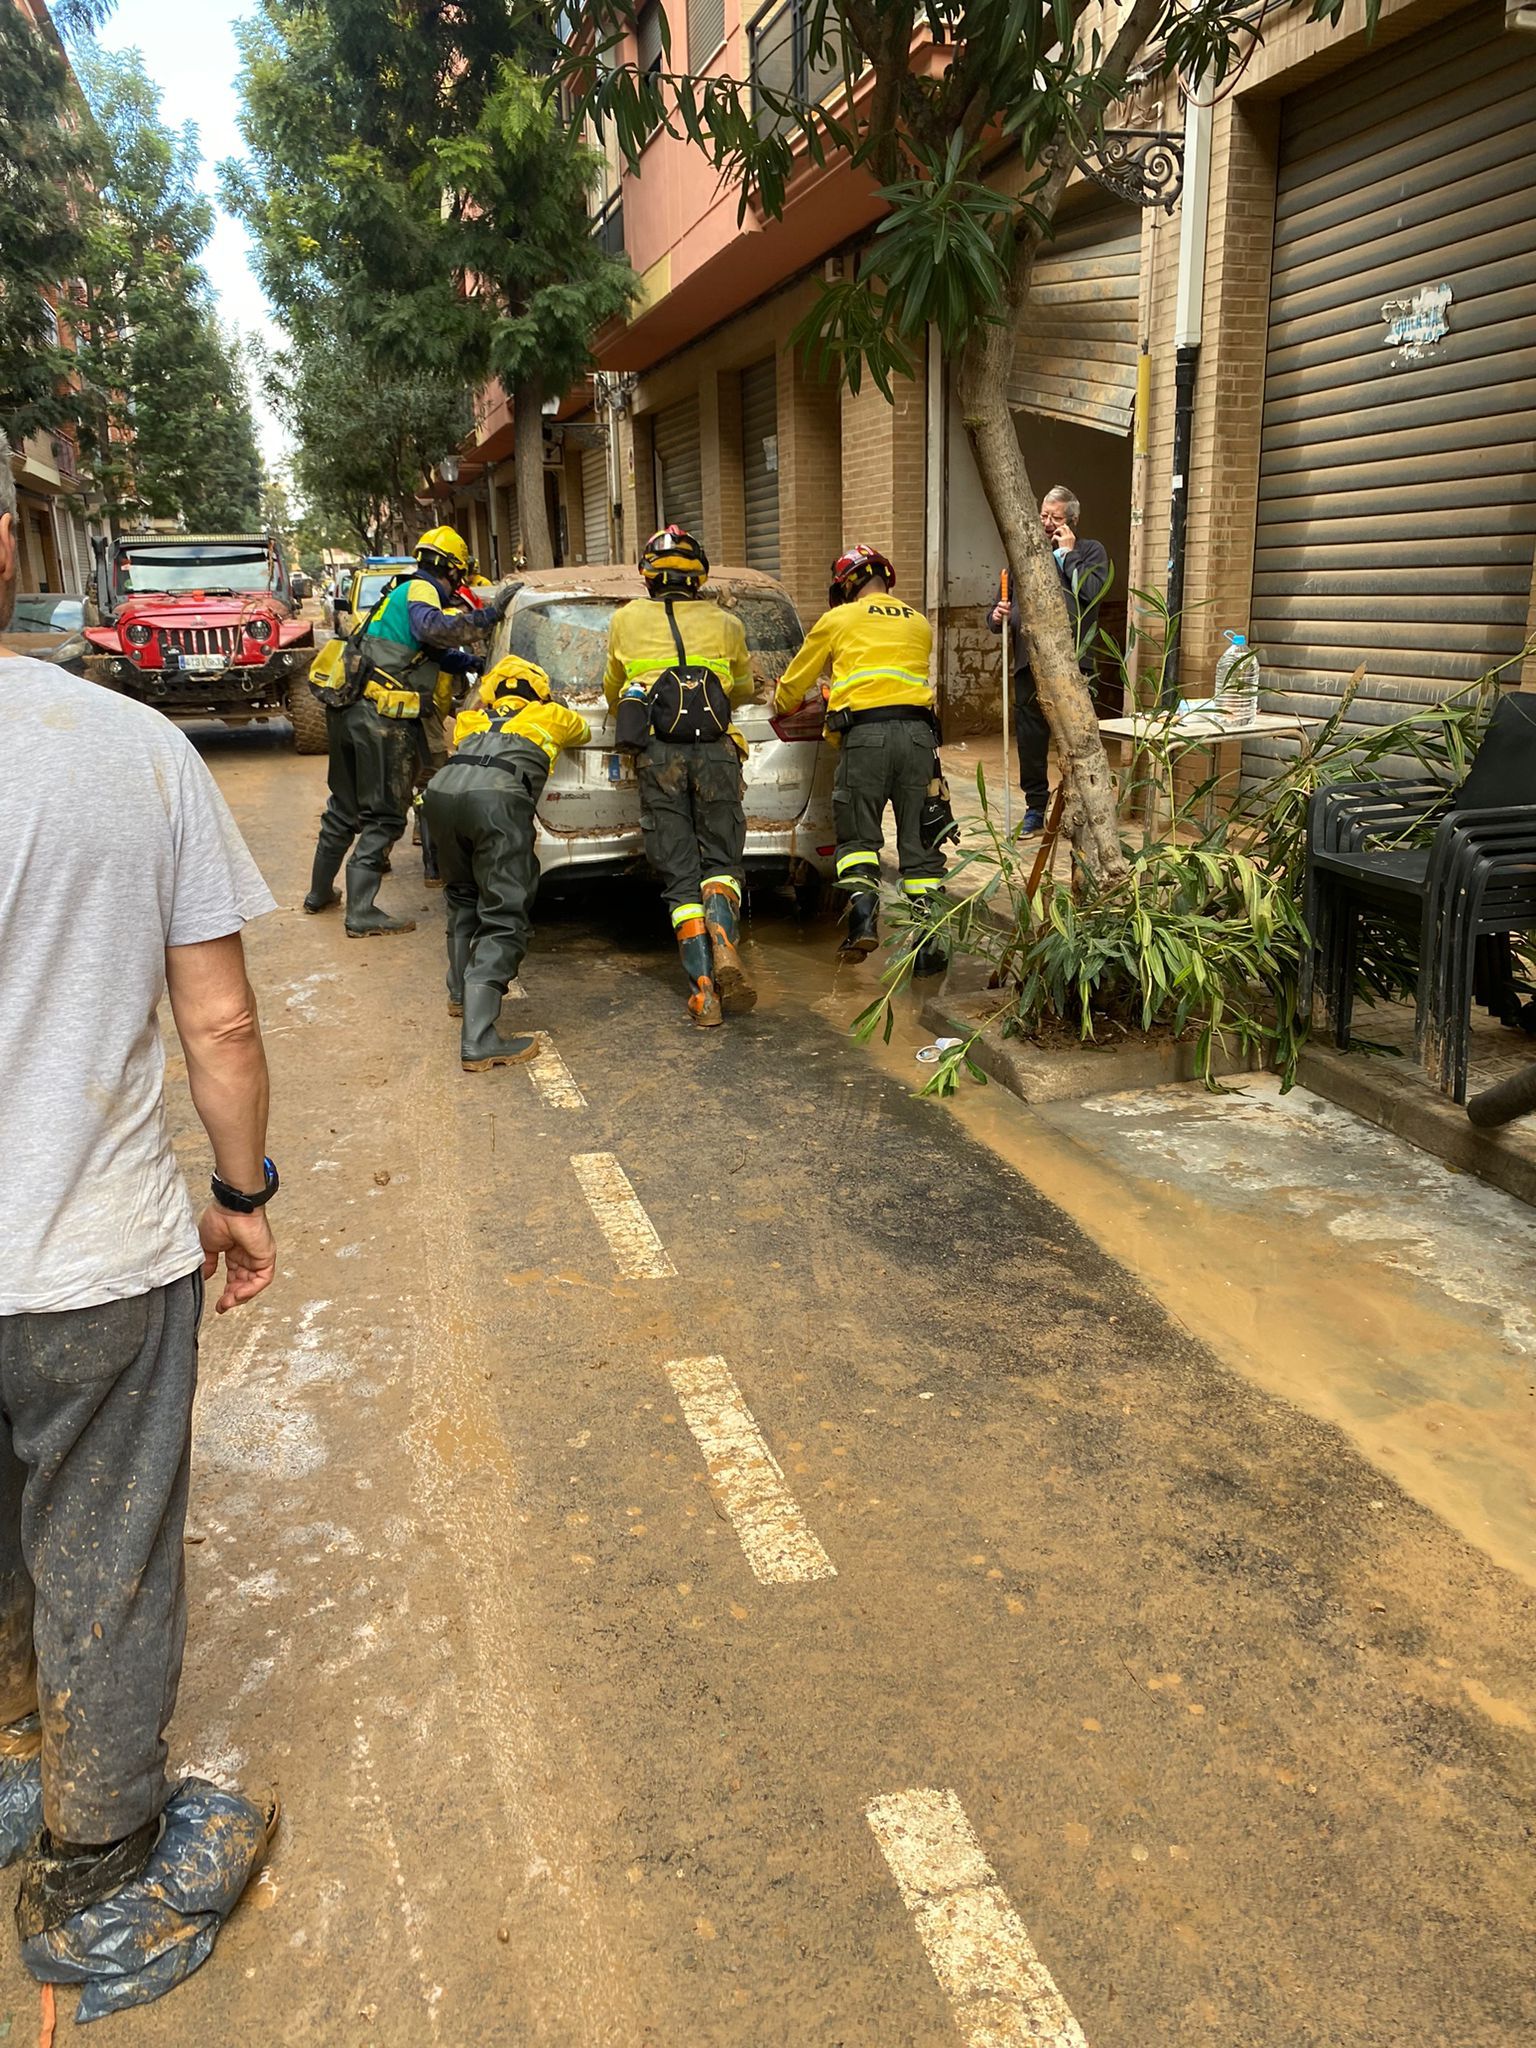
[341, 671]
[689, 703]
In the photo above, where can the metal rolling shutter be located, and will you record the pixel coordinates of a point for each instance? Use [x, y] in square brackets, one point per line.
[1397, 490]
[594, 504]
[1075, 357]
[760, 463]
[679, 471]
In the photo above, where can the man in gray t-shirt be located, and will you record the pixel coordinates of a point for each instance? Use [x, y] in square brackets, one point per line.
[122, 879]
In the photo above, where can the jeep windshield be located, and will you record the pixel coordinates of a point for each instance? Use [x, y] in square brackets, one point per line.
[568, 638]
[216, 567]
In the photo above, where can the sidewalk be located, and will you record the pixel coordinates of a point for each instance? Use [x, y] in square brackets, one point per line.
[962, 758]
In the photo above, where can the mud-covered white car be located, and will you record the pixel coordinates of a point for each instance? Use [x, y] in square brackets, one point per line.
[589, 815]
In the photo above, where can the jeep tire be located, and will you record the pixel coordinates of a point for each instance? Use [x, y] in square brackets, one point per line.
[307, 715]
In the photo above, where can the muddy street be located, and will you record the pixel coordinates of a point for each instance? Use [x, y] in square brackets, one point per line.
[714, 1550]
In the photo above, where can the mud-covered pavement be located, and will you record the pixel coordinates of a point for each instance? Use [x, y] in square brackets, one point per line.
[596, 1620]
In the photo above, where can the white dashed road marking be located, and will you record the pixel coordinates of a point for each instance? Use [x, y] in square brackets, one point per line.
[1001, 1993]
[637, 1250]
[746, 1476]
[554, 1080]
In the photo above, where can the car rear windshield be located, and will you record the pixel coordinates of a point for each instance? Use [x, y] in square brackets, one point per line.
[216, 566]
[568, 638]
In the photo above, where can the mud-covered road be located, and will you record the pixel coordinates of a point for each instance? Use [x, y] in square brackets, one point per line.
[709, 1554]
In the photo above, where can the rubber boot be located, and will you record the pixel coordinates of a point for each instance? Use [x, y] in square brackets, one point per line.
[863, 934]
[932, 957]
[481, 1045]
[722, 918]
[698, 964]
[458, 960]
[365, 920]
[429, 870]
[323, 893]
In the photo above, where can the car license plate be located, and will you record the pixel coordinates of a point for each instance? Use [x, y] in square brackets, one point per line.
[205, 664]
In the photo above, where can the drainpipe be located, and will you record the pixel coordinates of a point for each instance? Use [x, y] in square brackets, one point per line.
[1194, 213]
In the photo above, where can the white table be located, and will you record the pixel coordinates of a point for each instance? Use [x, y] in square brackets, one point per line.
[1202, 732]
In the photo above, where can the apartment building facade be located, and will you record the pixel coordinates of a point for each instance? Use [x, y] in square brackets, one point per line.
[1327, 340]
[54, 503]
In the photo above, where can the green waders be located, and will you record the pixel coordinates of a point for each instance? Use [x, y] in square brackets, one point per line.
[371, 772]
[481, 820]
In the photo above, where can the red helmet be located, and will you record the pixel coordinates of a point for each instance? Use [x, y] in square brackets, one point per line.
[853, 569]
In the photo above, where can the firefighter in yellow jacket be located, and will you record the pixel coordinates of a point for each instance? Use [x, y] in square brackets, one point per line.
[480, 812]
[881, 709]
[677, 664]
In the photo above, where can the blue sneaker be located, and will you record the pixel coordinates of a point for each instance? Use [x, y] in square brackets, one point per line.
[1032, 821]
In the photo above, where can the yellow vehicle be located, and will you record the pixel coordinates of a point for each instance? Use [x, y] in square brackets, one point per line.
[368, 583]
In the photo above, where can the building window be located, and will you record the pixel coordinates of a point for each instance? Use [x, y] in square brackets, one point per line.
[706, 31]
[648, 36]
[780, 58]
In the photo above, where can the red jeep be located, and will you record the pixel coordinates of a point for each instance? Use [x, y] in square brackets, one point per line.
[204, 626]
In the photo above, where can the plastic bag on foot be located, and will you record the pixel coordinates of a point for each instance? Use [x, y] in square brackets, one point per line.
[146, 1937]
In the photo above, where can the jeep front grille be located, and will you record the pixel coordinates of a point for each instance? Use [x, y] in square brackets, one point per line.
[202, 639]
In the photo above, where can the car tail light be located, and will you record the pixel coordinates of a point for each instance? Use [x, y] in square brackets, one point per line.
[137, 636]
[259, 629]
[802, 724]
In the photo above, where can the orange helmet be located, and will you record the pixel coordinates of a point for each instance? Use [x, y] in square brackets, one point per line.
[853, 569]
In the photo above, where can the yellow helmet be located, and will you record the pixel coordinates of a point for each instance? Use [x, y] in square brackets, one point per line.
[512, 677]
[449, 547]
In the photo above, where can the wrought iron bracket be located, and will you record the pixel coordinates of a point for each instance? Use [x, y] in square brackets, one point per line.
[1143, 166]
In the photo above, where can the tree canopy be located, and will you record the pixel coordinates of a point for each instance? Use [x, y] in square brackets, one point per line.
[418, 201]
[167, 415]
[47, 156]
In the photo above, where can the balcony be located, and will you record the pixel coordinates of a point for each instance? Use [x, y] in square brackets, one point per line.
[780, 61]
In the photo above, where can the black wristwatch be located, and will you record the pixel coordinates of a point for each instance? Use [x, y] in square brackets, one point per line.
[245, 1205]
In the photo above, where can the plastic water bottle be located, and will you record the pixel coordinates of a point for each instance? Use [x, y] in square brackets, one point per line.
[1237, 681]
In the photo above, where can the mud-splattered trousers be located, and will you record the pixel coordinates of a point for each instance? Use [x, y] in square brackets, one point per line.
[372, 774]
[95, 1446]
[694, 823]
[480, 816]
[879, 763]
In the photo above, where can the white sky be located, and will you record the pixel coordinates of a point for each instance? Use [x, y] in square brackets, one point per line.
[189, 51]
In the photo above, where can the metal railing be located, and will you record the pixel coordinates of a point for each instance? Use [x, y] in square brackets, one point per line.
[780, 61]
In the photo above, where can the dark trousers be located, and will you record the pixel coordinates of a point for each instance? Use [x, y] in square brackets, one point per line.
[1033, 736]
[95, 1448]
[886, 762]
[691, 813]
[482, 826]
[372, 772]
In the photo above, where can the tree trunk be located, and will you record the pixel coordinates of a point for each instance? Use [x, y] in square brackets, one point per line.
[532, 511]
[985, 364]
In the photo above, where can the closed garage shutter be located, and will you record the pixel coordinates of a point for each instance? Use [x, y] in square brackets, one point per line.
[1397, 493]
[679, 474]
[1075, 358]
[760, 464]
[594, 504]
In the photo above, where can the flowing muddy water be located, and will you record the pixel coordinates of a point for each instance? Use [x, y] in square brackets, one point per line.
[1327, 1261]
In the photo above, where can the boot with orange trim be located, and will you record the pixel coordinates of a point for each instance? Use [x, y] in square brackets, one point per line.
[722, 917]
[698, 966]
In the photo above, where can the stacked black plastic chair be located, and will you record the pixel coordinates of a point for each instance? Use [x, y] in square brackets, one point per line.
[1456, 868]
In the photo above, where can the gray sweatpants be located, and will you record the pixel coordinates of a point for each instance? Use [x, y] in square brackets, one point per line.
[95, 1448]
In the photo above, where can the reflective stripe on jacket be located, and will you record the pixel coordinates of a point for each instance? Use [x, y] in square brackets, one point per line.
[879, 650]
[549, 726]
[641, 647]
